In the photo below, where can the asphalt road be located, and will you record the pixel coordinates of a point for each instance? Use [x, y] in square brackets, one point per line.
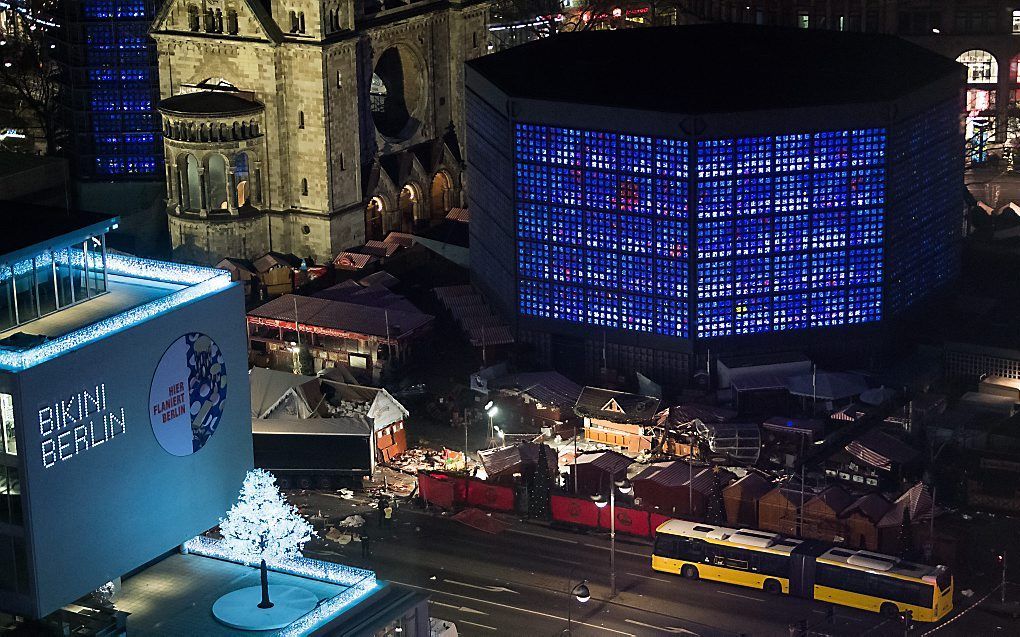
[516, 582]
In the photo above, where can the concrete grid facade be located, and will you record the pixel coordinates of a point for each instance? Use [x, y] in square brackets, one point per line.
[353, 128]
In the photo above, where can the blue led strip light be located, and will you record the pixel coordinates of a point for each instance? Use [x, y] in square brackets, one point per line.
[359, 582]
[201, 282]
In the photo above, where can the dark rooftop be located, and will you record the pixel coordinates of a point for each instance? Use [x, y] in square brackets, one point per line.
[615, 406]
[208, 103]
[715, 68]
[31, 226]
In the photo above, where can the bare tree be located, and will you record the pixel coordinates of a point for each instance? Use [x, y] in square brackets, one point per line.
[29, 87]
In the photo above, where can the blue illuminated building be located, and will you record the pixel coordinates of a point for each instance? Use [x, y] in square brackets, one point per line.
[111, 89]
[94, 345]
[691, 203]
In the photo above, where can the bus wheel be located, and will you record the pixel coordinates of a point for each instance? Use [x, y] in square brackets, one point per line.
[889, 609]
[689, 571]
[305, 483]
[284, 482]
[772, 587]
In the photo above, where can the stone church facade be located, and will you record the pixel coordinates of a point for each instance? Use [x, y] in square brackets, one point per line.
[311, 127]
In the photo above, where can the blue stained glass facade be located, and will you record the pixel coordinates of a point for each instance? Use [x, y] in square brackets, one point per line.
[602, 228]
[787, 230]
[117, 134]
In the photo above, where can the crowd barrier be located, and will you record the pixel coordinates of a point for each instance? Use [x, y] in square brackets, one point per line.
[453, 492]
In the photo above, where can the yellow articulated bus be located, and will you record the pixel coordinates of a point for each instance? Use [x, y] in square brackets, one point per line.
[803, 568]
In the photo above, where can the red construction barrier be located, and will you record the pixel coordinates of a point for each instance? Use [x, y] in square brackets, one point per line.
[654, 520]
[630, 521]
[438, 489]
[489, 496]
[575, 511]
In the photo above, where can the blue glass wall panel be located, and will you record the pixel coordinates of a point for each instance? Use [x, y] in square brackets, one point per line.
[120, 134]
[806, 207]
[613, 211]
[787, 230]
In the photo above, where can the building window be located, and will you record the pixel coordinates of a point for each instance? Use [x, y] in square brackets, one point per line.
[343, 165]
[304, 187]
[193, 17]
[293, 22]
[10, 443]
[10, 496]
[301, 22]
[1016, 23]
[981, 66]
[339, 79]
[300, 119]
[803, 20]
[232, 22]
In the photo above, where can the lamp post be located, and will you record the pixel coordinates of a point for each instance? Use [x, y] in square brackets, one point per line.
[490, 411]
[582, 594]
[600, 501]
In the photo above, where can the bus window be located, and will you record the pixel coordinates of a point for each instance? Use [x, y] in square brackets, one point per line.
[666, 546]
[769, 564]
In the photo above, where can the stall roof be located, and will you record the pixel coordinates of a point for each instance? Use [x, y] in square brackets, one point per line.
[342, 316]
[795, 425]
[754, 484]
[827, 385]
[873, 506]
[880, 450]
[357, 425]
[678, 473]
[916, 502]
[512, 457]
[548, 388]
[835, 497]
[683, 414]
[615, 406]
[609, 461]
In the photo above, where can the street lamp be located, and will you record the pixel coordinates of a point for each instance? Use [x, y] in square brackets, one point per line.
[499, 432]
[623, 484]
[581, 594]
[491, 410]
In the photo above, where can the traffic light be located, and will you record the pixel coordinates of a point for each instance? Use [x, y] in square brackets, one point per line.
[907, 619]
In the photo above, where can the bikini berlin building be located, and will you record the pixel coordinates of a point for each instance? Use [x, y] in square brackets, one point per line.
[645, 199]
[124, 406]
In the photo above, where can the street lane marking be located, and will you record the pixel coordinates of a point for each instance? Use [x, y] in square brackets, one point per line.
[544, 537]
[606, 548]
[464, 621]
[666, 629]
[757, 599]
[521, 610]
[463, 609]
[657, 579]
[491, 589]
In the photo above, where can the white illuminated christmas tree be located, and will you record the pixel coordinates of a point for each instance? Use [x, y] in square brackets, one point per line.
[262, 526]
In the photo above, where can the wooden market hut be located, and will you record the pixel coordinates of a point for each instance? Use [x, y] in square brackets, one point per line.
[821, 515]
[778, 509]
[676, 488]
[741, 499]
[593, 473]
[861, 519]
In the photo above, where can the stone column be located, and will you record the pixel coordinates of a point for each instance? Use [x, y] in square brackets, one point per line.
[169, 181]
[204, 208]
[180, 189]
[256, 171]
[231, 190]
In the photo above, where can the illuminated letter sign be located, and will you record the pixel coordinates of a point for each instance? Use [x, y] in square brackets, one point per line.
[81, 422]
[187, 393]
